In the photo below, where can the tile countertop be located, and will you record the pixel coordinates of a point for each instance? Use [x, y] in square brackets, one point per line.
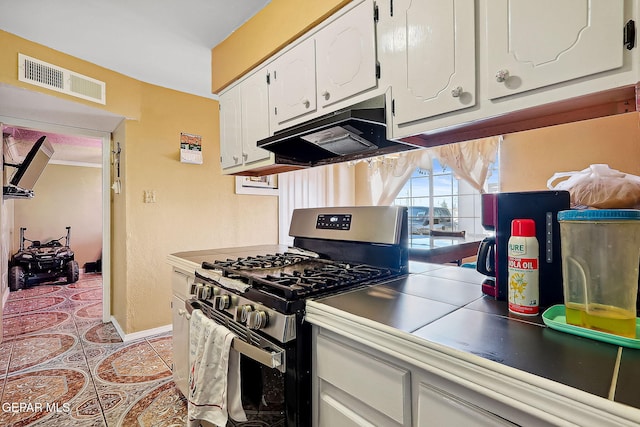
[443, 307]
[441, 310]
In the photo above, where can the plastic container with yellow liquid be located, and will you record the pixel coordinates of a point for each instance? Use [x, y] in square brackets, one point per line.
[600, 263]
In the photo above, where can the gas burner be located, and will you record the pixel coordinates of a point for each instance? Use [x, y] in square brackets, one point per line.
[263, 261]
[312, 280]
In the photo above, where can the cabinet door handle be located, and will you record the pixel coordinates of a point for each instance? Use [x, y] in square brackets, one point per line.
[306, 103]
[325, 94]
[502, 76]
[456, 92]
[181, 312]
[235, 159]
[245, 155]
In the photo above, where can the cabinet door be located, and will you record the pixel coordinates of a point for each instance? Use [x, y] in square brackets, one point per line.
[292, 88]
[254, 95]
[180, 341]
[346, 55]
[373, 383]
[433, 66]
[531, 44]
[230, 128]
[439, 408]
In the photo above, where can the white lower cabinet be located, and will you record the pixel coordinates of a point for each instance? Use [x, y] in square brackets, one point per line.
[356, 385]
[436, 407]
[180, 334]
[359, 388]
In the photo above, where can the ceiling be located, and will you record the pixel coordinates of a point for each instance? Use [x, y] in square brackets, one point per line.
[163, 42]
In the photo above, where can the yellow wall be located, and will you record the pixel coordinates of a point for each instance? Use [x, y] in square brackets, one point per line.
[196, 206]
[65, 196]
[529, 159]
[271, 29]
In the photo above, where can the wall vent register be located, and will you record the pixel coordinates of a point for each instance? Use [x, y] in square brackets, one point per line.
[43, 74]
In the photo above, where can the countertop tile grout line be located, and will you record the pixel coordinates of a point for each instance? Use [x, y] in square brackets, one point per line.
[616, 372]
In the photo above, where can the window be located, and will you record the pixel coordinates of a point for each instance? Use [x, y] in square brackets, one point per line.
[437, 200]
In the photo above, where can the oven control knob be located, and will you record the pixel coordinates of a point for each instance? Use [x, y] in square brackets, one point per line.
[257, 320]
[202, 291]
[242, 312]
[208, 292]
[223, 302]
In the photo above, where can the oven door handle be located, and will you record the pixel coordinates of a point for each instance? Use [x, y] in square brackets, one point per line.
[271, 359]
[266, 353]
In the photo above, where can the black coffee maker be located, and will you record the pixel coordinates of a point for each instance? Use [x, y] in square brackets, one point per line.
[498, 210]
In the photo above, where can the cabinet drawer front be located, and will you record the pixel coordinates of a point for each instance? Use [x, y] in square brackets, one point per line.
[334, 413]
[437, 407]
[374, 382]
[181, 283]
[536, 44]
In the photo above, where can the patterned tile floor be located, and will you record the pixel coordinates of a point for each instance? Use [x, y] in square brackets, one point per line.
[61, 366]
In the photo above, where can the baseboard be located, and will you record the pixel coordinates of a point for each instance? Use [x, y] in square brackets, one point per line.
[141, 334]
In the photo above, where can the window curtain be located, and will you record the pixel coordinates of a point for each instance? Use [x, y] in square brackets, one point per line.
[469, 160]
[386, 175]
[322, 186]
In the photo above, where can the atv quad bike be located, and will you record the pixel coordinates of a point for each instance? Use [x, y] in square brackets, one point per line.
[42, 262]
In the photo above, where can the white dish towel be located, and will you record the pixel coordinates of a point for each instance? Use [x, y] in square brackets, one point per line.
[214, 375]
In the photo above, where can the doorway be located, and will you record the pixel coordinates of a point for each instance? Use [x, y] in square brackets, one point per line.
[83, 155]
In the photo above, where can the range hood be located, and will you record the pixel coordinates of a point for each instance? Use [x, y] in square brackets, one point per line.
[28, 172]
[344, 135]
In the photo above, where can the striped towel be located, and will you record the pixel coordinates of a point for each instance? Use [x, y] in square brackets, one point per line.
[214, 375]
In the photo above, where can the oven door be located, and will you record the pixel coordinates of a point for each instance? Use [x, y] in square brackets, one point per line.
[263, 373]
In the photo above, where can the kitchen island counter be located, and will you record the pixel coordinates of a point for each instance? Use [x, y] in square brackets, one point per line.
[438, 320]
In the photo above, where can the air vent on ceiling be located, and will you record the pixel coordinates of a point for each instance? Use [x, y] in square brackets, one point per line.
[40, 73]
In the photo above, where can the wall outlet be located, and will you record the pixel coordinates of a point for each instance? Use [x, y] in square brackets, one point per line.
[149, 196]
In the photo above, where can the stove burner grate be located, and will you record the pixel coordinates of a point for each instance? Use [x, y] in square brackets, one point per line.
[295, 276]
[263, 261]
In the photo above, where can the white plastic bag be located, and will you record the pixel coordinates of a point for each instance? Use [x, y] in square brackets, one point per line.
[599, 186]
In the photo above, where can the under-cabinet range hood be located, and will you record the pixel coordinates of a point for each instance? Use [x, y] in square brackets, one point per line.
[344, 135]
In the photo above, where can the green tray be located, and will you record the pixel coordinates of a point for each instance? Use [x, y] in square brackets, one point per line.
[554, 317]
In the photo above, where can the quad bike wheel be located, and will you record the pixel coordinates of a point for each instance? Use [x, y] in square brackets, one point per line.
[73, 271]
[16, 278]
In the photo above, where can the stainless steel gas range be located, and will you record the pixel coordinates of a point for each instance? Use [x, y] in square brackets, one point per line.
[262, 298]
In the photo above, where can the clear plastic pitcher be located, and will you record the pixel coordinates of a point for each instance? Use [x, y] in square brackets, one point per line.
[600, 262]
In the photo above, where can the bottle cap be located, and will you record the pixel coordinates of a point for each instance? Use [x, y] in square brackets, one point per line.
[523, 228]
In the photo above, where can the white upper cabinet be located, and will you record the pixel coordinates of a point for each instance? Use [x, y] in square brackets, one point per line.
[346, 55]
[244, 120]
[333, 64]
[254, 95]
[433, 58]
[230, 128]
[531, 44]
[292, 86]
